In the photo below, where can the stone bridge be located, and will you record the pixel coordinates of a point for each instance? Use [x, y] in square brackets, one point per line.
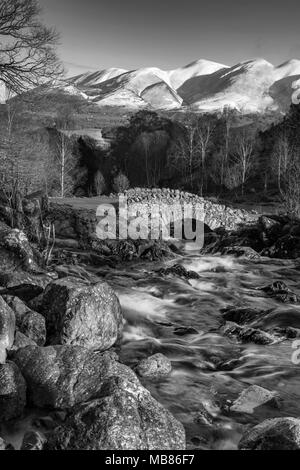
[75, 218]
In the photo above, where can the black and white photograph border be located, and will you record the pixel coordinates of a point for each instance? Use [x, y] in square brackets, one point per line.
[149, 228]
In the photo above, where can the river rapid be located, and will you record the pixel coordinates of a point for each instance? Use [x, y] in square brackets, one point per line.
[181, 319]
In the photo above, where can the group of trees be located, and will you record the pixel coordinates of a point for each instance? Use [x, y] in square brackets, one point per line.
[214, 154]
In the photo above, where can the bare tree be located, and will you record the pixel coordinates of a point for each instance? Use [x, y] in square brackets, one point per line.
[243, 156]
[228, 117]
[27, 47]
[281, 157]
[205, 130]
[64, 152]
[290, 190]
[186, 150]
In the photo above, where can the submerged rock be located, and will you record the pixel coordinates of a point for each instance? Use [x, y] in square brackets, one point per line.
[124, 417]
[203, 416]
[241, 252]
[80, 313]
[253, 397]
[241, 315]
[180, 271]
[273, 434]
[12, 392]
[248, 335]
[155, 366]
[281, 292]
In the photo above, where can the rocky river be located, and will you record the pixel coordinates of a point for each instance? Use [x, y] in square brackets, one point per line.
[213, 335]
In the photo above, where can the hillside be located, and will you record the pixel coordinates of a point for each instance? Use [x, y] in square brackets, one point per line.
[253, 86]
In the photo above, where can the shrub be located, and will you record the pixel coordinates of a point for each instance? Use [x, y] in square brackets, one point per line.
[99, 183]
[121, 183]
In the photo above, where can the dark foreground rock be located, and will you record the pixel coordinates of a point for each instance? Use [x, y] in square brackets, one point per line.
[273, 434]
[80, 313]
[4, 445]
[12, 392]
[124, 417]
[155, 366]
[273, 236]
[63, 376]
[33, 440]
[108, 408]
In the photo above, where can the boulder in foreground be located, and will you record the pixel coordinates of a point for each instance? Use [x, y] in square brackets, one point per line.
[12, 392]
[80, 313]
[124, 417]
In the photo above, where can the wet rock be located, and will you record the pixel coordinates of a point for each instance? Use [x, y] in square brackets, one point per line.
[247, 334]
[289, 332]
[241, 315]
[203, 416]
[253, 397]
[124, 417]
[185, 330]
[80, 313]
[12, 392]
[273, 434]
[7, 329]
[61, 376]
[33, 440]
[281, 292]
[33, 325]
[4, 445]
[180, 271]
[155, 366]
[241, 252]
[154, 250]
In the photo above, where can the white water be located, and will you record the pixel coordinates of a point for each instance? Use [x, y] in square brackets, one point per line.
[209, 368]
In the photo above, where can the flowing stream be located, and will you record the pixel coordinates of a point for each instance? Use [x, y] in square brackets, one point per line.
[181, 319]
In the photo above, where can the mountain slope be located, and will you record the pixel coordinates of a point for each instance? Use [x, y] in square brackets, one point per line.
[253, 86]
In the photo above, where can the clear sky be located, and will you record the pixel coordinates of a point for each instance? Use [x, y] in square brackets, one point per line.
[97, 34]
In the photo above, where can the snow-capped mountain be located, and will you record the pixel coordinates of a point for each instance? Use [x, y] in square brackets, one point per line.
[251, 86]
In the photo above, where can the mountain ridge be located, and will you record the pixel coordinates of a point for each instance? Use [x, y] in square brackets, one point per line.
[253, 85]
